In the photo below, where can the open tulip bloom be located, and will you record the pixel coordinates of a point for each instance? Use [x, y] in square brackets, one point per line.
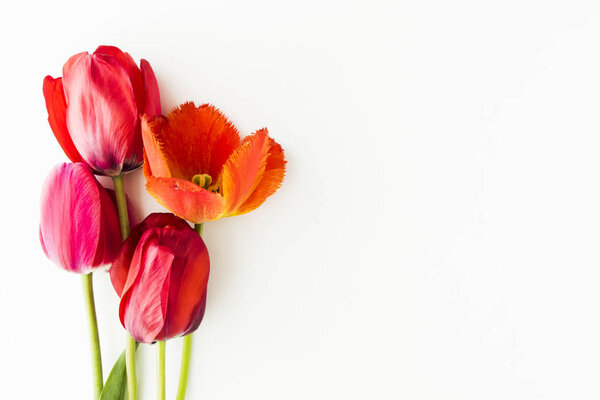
[198, 168]
[105, 113]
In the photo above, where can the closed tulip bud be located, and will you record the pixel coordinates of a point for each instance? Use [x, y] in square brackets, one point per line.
[161, 274]
[94, 108]
[79, 225]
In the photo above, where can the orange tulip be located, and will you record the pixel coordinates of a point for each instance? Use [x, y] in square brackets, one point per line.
[197, 166]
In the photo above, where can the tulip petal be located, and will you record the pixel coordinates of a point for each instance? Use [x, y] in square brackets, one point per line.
[152, 105]
[143, 309]
[155, 162]
[101, 115]
[197, 140]
[188, 280]
[73, 59]
[120, 274]
[133, 71]
[57, 114]
[195, 322]
[270, 180]
[109, 241]
[246, 183]
[71, 218]
[185, 199]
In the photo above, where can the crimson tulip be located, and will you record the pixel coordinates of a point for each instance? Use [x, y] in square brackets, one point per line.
[198, 168]
[161, 274]
[94, 108]
[79, 226]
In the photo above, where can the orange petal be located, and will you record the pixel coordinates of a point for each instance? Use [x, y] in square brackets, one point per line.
[155, 162]
[185, 199]
[57, 115]
[197, 140]
[252, 173]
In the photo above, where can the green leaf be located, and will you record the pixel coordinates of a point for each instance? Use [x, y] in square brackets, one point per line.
[116, 383]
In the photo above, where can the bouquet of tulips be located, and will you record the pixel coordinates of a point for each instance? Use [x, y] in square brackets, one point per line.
[106, 115]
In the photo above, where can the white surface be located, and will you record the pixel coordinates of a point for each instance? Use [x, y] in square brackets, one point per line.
[436, 236]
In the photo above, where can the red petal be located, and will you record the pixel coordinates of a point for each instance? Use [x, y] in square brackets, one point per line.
[152, 106]
[252, 173]
[197, 318]
[188, 281]
[135, 75]
[143, 308]
[57, 111]
[185, 199]
[120, 268]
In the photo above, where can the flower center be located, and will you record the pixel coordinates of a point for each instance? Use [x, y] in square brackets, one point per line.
[202, 180]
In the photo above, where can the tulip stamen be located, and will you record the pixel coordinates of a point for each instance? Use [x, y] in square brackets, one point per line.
[202, 180]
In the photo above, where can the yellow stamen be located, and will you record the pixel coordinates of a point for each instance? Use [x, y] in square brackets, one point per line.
[202, 180]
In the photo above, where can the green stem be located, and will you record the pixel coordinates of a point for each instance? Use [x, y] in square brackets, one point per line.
[121, 205]
[130, 366]
[88, 292]
[161, 392]
[187, 349]
[131, 345]
[185, 366]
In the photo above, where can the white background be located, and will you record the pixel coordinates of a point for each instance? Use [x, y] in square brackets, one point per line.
[437, 234]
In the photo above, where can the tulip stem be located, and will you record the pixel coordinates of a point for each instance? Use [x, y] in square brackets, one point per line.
[131, 345]
[161, 392]
[130, 366]
[88, 292]
[185, 366]
[187, 349]
[121, 205]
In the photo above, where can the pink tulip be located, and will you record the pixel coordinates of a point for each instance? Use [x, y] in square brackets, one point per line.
[94, 108]
[161, 274]
[79, 226]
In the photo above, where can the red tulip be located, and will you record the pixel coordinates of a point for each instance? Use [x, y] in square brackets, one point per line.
[160, 275]
[94, 108]
[79, 226]
[198, 168]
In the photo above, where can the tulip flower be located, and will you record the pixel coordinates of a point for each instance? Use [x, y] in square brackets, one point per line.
[197, 167]
[79, 227]
[94, 108]
[79, 231]
[160, 275]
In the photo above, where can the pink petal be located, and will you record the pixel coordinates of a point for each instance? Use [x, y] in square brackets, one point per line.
[109, 241]
[102, 114]
[71, 216]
